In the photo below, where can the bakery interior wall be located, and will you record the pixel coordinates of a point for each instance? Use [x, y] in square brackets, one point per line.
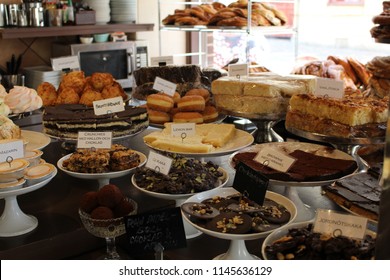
[37, 51]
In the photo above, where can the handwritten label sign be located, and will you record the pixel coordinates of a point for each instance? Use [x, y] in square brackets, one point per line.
[250, 183]
[335, 224]
[108, 106]
[164, 86]
[183, 129]
[12, 149]
[329, 87]
[161, 60]
[164, 228]
[274, 159]
[159, 163]
[65, 62]
[238, 70]
[91, 139]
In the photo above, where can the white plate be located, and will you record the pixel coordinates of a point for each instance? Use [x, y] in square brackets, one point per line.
[241, 140]
[224, 192]
[288, 147]
[97, 176]
[179, 196]
[36, 140]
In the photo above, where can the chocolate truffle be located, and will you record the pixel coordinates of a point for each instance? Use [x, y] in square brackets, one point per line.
[123, 208]
[109, 196]
[102, 213]
[89, 201]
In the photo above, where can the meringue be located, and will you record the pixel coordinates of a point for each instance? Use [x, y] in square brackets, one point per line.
[23, 99]
[3, 92]
[4, 109]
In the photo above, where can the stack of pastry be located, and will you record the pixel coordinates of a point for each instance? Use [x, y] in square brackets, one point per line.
[381, 31]
[379, 83]
[235, 14]
[76, 88]
[194, 107]
[350, 70]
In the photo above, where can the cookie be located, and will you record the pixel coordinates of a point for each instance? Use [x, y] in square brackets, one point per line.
[230, 222]
[261, 225]
[199, 210]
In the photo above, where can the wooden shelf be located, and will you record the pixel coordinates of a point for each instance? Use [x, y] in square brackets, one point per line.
[34, 32]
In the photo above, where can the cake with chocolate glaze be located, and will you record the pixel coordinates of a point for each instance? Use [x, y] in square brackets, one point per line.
[66, 120]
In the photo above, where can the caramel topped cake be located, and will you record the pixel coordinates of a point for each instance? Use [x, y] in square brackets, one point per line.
[348, 117]
[66, 120]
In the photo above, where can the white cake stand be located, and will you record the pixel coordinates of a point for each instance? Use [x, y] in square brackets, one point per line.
[14, 221]
[237, 248]
[179, 199]
[102, 178]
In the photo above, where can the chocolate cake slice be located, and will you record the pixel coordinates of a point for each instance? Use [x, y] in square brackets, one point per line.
[66, 120]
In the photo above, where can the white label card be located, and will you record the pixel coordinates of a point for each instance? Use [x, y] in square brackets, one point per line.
[329, 87]
[274, 159]
[335, 224]
[65, 62]
[238, 70]
[183, 129]
[164, 86]
[161, 60]
[159, 163]
[11, 150]
[108, 106]
[94, 140]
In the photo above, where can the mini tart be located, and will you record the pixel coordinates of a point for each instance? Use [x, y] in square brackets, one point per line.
[199, 210]
[10, 171]
[231, 222]
[39, 172]
[33, 156]
[13, 185]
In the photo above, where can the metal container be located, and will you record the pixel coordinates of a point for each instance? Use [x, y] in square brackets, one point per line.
[12, 15]
[2, 14]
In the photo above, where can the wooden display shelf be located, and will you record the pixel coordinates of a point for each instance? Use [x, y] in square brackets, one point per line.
[34, 32]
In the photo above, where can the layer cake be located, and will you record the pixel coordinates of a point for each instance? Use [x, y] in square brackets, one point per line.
[66, 120]
[346, 117]
[265, 94]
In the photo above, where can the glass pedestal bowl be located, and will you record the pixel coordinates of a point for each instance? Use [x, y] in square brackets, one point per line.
[108, 229]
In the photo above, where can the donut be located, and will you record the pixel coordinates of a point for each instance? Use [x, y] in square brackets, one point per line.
[191, 103]
[158, 117]
[159, 102]
[199, 91]
[188, 117]
[210, 114]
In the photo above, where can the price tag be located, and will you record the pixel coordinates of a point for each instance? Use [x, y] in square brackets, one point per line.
[65, 62]
[13, 149]
[183, 130]
[161, 60]
[238, 70]
[274, 159]
[147, 231]
[335, 224]
[164, 86]
[97, 140]
[329, 87]
[108, 106]
[250, 183]
[159, 163]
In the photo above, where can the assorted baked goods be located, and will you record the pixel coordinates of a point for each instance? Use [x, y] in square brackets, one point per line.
[301, 243]
[236, 214]
[76, 88]
[349, 117]
[186, 176]
[66, 120]
[311, 162]
[117, 158]
[265, 95]
[235, 14]
[207, 138]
